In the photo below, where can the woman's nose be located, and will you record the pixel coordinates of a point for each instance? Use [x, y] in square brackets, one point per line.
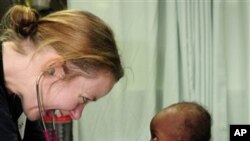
[77, 112]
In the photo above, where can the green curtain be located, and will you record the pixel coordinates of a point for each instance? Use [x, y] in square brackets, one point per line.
[172, 50]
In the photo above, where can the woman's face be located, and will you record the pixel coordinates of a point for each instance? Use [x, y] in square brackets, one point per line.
[69, 96]
[58, 91]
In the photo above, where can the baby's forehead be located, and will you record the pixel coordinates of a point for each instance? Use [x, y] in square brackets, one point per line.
[166, 117]
[175, 112]
[180, 109]
[171, 111]
[172, 115]
[167, 123]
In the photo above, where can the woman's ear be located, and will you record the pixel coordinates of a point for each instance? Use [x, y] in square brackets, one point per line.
[51, 71]
[55, 68]
[57, 71]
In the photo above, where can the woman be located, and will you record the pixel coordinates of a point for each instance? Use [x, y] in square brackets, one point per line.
[56, 63]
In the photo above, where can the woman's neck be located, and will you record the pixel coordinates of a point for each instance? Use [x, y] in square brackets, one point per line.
[21, 70]
[15, 66]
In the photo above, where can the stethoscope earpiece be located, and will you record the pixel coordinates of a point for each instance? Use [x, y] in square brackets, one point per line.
[51, 71]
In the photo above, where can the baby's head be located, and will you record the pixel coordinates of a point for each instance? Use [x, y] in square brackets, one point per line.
[183, 121]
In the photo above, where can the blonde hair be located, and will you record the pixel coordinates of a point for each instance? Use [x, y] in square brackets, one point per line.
[78, 36]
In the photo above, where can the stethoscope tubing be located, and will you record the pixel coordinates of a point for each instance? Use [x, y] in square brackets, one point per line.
[41, 111]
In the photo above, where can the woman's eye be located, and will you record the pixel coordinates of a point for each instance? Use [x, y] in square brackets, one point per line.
[85, 100]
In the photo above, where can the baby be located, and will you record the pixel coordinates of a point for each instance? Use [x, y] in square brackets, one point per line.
[183, 121]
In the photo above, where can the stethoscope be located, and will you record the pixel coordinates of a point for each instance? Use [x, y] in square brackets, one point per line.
[46, 132]
[50, 135]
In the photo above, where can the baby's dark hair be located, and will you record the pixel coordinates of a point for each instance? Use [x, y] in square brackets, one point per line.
[197, 120]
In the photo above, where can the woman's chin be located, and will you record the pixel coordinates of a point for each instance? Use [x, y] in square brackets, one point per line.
[33, 116]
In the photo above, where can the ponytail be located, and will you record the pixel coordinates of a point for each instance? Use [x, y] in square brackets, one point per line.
[22, 20]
